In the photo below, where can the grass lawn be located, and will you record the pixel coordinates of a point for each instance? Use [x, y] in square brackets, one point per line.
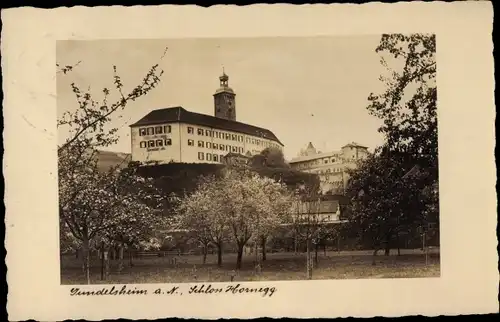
[278, 266]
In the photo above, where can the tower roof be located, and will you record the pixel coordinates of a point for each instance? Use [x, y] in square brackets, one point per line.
[224, 84]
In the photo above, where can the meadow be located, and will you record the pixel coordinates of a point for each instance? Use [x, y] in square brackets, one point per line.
[278, 266]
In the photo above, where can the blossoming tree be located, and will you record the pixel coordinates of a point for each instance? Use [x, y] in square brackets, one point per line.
[236, 207]
[89, 203]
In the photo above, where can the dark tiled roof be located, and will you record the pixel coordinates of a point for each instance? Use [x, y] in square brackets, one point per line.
[179, 114]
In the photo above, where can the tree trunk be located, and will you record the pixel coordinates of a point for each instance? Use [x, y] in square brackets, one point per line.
[101, 253]
[263, 244]
[205, 251]
[316, 255]
[398, 242]
[219, 254]
[295, 243]
[375, 255]
[239, 257]
[120, 258]
[86, 259]
[387, 245]
[130, 257]
[308, 260]
[106, 263]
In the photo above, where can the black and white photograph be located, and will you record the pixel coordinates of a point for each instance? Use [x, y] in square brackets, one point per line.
[313, 161]
[278, 158]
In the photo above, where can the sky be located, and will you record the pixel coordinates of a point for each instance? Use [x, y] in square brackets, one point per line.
[307, 89]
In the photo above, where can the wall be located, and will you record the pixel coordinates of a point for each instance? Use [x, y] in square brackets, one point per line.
[196, 144]
[165, 153]
[332, 167]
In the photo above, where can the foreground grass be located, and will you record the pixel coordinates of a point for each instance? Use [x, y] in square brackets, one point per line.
[278, 266]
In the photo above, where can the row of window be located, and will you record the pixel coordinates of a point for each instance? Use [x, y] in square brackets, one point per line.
[231, 136]
[155, 130]
[336, 170]
[217, 134]
[318, 161]
[217, 146]
[155, 143]
[210, 157]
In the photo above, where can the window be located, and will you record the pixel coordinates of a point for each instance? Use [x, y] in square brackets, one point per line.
[167, 129]
[326, 161]
[241, 138]
[216, 158]
[208, 133]
[142, 132]
[151, 144]
[158, 130]
[209, 145]
[228, 148]
[200, 155]
[201, 144]
[190, 130]
[240, 149]
[235, 149]
[248, 140]
[253, 141]
[150, 131]
[209, 156]
[159, 143]
[215, 146]
[200, 131]
[143, 144]
[221, 147]
[168, 142]
[191, 142]
[234, 137]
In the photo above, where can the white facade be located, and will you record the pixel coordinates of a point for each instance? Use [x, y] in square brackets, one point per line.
[188, 143]
[331, 167]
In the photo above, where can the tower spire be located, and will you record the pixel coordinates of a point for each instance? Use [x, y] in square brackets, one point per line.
[224, 99]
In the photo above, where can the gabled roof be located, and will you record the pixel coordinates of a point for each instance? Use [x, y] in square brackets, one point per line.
[355, 145]
[179, 114]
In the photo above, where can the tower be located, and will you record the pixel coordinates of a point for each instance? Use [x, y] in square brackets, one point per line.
[224, 100]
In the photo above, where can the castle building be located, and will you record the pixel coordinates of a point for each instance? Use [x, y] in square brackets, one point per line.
[177, 135]
[331, 167]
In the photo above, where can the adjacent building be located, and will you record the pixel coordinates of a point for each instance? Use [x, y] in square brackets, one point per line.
[177, 135]
[331, 167]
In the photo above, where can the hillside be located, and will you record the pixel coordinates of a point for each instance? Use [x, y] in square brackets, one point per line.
[108, 159]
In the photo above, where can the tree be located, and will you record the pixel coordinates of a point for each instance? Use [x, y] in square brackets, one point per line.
[200, 212]
[269, 157]
[138, 222]
[256, 206]
[108, 207]
[384, 200]
[84, 191]
[408, 107]
[308, 221]
[238, 206]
